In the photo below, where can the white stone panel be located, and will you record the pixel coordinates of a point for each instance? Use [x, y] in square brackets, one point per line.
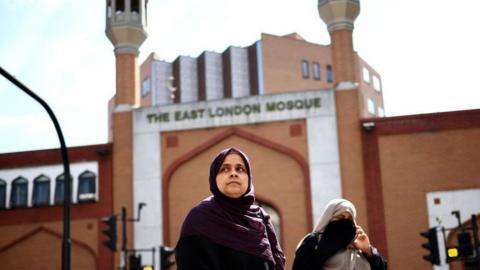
[325, 178]
[213, 76]
[188, 79]
[258, 48]
[161, 73]
[147, 189]
[166, 119]
[239, 71]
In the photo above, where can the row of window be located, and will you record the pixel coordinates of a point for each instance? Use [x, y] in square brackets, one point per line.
[41, 190]
[371, 108]
[120, 6]
[375, 79]
[305, 66]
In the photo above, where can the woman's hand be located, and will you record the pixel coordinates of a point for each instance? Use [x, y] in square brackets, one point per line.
[362, 242]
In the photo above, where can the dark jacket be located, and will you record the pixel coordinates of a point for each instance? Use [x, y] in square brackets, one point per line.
[197, 253]
[312, 253]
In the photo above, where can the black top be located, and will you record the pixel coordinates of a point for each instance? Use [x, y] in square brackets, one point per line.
[197, 253]
[314, 251]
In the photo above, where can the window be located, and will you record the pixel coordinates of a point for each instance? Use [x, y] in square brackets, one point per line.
[41, 191]
[366, 75]
[145, 87]
[274, 216]
[86, 187]
[59, 188]
[305, 69]
[109, 9]
[316, 71]
[120, 6]
[376, 83]
[3, 194]
[19, 193]
[381, 112]
[135, 6]
[370, 106]
[329, 73]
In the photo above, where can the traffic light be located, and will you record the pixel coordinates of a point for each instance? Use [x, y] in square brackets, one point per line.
[135, 262]
[432, 246]
[110, 232]
[165, 260]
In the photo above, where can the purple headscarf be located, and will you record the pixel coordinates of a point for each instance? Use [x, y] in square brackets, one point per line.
[234, 222]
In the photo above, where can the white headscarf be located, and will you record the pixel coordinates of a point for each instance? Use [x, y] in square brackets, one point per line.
[345, 259]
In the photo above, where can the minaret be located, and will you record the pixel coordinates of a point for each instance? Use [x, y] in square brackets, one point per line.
[339, 15]
[126, 21]
[125, 28]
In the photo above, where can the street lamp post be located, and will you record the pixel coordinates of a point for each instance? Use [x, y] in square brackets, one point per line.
[66, 243]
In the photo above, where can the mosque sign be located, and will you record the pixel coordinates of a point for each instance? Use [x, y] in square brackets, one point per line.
[234, 111]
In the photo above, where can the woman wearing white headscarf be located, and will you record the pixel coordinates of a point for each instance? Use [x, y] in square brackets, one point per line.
[338, 243]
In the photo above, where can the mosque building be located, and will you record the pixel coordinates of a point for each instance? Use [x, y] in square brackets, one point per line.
[309, 116]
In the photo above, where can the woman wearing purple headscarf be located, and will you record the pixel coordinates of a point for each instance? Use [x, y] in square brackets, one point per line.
[227, 231]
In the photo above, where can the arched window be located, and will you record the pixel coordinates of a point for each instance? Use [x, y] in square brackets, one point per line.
[274, 216]
[41, 191]
[60, 187]
[135, 6]
[109, 8]
[3, 194]
[19, 194]
[86, 187]
[120, 6]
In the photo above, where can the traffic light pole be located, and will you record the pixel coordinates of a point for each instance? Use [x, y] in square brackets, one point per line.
[124, 236]
[124, 230]
[66, 242]
[476, 241]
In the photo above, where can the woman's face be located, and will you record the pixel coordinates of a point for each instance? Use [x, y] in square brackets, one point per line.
[343, 215]
[232, 178]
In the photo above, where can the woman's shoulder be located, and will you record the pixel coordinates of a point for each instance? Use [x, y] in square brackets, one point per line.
[216, 254]
[199, 210]
[194, 240]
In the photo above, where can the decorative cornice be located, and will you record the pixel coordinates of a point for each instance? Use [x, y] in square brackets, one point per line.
[339, 14]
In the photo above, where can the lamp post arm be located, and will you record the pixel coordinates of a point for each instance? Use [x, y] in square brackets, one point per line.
[66, 243]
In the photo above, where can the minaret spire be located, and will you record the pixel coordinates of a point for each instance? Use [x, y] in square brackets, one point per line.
[125, 28]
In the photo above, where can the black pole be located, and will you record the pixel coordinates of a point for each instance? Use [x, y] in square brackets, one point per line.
[66, 243]
[124, 235]
[476, 241]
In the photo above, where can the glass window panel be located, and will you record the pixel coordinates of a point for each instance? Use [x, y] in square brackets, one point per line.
[120, 6]
[329, 73]
[371, 106]
[305, 69]
[3, 194]
[59, 188]
[381, 112]
[316, 71]
[145, 87]
[41, 191]
[135, 6]
[376, 83]
[86, 186]
[59, 191]
[19, 193]
[109, 9]
[366, 75]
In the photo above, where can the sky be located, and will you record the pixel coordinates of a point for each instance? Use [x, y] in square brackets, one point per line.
[427, 53]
